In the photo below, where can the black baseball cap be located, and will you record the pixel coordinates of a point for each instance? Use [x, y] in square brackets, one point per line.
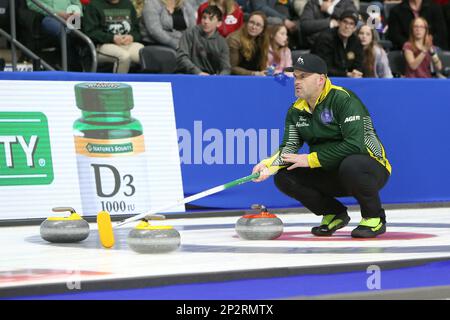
[309, 63]
[350, 14]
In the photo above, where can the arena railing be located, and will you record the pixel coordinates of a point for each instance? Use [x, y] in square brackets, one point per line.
[12, 38]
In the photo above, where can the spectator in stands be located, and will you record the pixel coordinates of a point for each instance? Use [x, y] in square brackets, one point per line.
[113, 26]
[375, 61]
[321, 15]
[233, 16]
[202, 49]
[249, 46]
[62, 8]
[281, 11]
[419, 51]
[341, 48]
[68, 10]
[280, 55]
[163, 21]
[401, 15]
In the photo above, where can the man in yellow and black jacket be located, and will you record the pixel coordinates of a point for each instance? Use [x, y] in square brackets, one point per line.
[346, 156]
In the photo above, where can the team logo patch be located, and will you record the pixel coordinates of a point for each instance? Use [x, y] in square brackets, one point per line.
[352, 118]
[302, 122]
[230, 19]
[326, 116]
[300, 60]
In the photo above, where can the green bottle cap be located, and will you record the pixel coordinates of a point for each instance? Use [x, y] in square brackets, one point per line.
[104, 96]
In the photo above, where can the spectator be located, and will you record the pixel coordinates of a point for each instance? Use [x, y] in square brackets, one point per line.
[163, 21]
[280, 11]
[280, 55]
[321, 15]
[233, 16]
[341, 48]
[419, 51]
[59, 7]
[62, 8]
[249, 46]
[375, 61]
[113, 27]
[202, 49]
[401, 15]
[67, 10]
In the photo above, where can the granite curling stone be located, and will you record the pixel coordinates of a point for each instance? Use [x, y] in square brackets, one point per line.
[65, 229]
[262, 226]
[145, 238]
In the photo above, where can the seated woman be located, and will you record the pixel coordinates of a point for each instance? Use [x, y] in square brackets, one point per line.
[249, 46]
[419, 51]
[375, 63]
[280, 55]
[233, 17]
[163, 21]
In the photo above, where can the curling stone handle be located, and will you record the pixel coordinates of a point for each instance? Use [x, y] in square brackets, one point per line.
[260, 207]
[154, 217]
[63, 209]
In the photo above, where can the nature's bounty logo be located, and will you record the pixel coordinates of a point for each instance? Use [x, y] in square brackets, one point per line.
[25, 154]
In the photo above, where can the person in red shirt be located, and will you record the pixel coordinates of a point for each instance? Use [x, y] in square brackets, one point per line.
[232, 13]
[419, 51]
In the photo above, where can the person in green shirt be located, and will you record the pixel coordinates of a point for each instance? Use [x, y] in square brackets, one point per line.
[65, 9]
[114, 27]
[69, 11]
[58, 7]
[346, 157]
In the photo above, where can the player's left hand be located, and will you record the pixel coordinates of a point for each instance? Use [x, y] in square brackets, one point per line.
[298, 160]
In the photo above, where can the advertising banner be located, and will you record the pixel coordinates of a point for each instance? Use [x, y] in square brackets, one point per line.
[88, 145]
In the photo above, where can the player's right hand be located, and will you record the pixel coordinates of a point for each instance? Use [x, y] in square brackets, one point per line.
[263, 170]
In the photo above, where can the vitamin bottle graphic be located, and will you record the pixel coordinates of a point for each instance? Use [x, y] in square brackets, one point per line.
[109, 144]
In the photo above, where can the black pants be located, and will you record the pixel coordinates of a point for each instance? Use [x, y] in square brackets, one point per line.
[359, 176]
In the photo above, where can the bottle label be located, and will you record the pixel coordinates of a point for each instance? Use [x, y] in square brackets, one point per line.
[113, 175]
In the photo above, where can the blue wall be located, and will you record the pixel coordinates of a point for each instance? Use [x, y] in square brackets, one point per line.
[411, 117]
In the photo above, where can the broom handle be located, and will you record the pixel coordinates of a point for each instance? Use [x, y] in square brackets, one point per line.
[191, 198]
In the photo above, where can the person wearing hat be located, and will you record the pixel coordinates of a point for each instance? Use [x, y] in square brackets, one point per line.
[346, 157]
[341, 48]
[321, 15]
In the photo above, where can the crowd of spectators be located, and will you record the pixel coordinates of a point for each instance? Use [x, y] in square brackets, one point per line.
[261, 37]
